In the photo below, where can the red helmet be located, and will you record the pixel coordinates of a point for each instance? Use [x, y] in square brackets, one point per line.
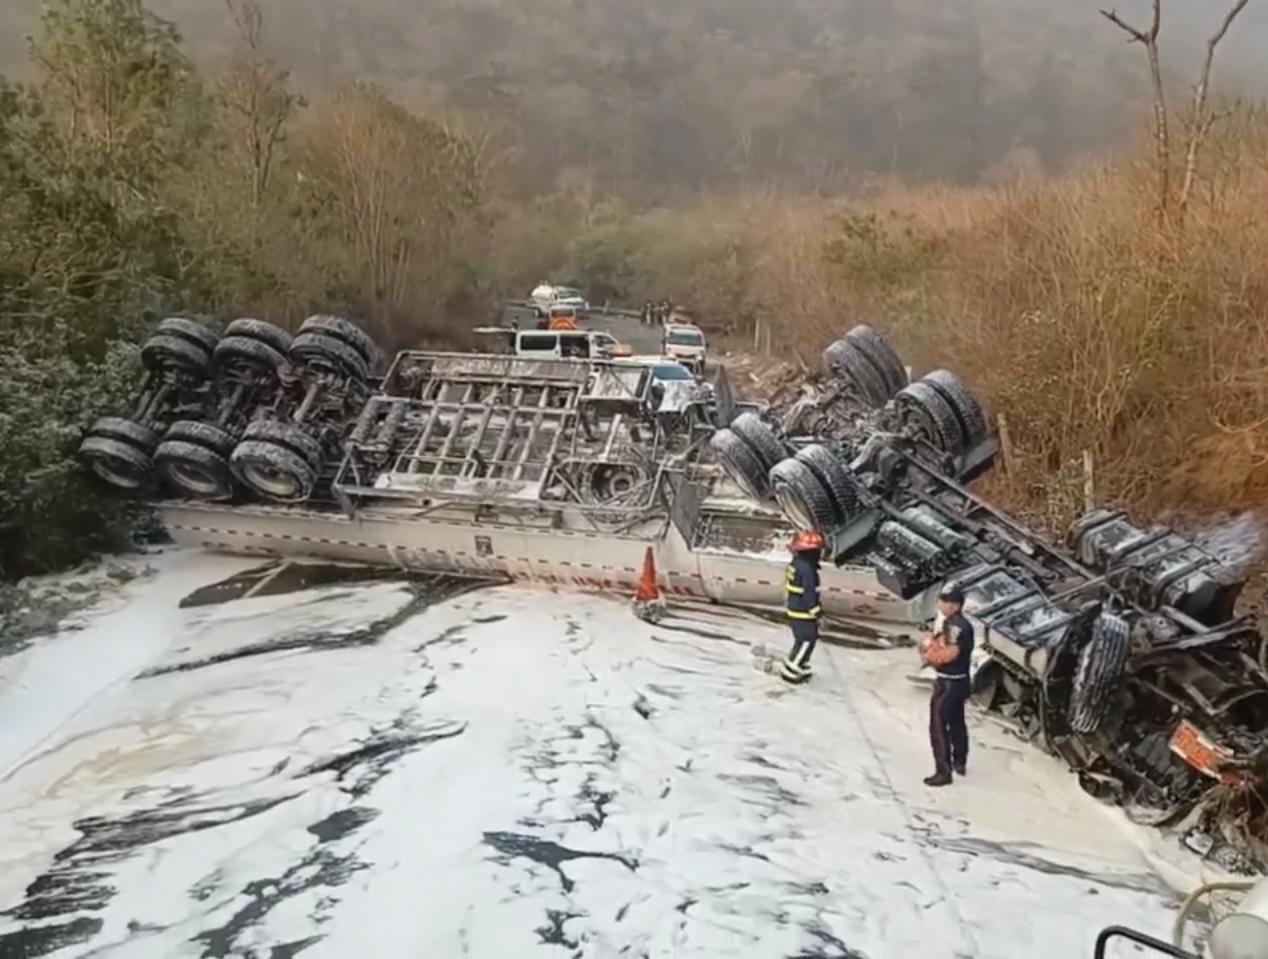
[806, 540]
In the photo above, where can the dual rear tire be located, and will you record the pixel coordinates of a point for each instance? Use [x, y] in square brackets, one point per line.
[180, 346]
[815, 490]
[939, 409]
[194, 459]
[866, 360]
[120, 452]
[748, 450]
[278, 460]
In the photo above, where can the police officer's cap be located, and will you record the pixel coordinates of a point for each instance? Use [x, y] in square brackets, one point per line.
[952, 594]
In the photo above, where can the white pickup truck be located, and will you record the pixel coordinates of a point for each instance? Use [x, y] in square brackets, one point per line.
[685, 344]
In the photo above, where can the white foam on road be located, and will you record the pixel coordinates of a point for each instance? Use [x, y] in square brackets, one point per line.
[46, 684]
[516, 773]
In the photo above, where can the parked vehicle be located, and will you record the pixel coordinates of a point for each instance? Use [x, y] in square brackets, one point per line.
[685, 343]
[563, 317]
[556, 344]
[545, 296]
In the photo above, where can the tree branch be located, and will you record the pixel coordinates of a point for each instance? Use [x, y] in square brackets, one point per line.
[1199, 122]
[1135, 36]
[1162, 133]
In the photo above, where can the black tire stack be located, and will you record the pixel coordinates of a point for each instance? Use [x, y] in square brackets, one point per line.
[280, 459]
[1102, 663]
[866, 360]
[815, 490]
[940, 410]
[251, 346]
[180, 345]
[194, 457]
[748, 450]
[335, 344]
[121, 450]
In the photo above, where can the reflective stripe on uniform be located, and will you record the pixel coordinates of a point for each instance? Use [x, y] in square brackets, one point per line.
[790, 582]
[809, 614]
[792, 671]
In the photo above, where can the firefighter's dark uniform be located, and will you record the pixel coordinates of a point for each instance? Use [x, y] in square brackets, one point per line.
[801, 581]
[948, 734]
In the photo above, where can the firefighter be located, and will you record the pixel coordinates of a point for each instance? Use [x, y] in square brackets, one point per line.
[801, 582]
[948, 650]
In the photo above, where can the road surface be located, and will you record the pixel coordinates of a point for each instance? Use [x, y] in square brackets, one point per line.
[392, 768]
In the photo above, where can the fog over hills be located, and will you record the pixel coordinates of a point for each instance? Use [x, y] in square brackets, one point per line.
[655, 94]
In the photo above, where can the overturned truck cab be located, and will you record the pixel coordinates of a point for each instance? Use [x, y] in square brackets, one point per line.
[1119, 651]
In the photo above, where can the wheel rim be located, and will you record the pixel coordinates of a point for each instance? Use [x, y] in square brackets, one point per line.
[117, 472]
[196, 479]
[614, 483]
[924, 427]
[740, 479]
[793, 508]
[272, 481]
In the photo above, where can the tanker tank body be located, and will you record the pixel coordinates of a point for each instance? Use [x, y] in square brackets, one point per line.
[555, 472]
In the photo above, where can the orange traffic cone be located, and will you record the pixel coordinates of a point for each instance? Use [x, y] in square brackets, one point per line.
[648, 602]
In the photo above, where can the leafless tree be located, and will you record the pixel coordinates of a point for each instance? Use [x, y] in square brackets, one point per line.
[1162, 134]
[1201, 118]
[255, 91]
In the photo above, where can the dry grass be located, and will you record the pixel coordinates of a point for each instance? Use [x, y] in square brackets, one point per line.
[1097, 331]
[1065, 305]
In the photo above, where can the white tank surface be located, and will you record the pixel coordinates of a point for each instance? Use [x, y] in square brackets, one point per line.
[551, 554]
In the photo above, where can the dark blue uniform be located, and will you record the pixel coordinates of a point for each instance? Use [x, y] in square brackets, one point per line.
[948, 734]
[801, 583]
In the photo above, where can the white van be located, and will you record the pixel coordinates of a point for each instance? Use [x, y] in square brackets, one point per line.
[558, 344]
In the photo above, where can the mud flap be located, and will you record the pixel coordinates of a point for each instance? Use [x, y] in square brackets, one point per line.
[845, 540]
[978, 459]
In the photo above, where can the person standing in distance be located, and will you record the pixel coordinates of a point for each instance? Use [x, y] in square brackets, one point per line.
[801, 583]
[948, 650]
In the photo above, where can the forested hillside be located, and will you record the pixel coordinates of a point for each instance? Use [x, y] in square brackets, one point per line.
[653, 96]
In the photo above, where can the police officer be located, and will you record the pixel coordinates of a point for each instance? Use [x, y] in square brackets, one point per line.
[949, 650]
[801, 582]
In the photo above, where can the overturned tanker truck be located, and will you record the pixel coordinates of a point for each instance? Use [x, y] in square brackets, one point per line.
[1121, 653]
[561, 472]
